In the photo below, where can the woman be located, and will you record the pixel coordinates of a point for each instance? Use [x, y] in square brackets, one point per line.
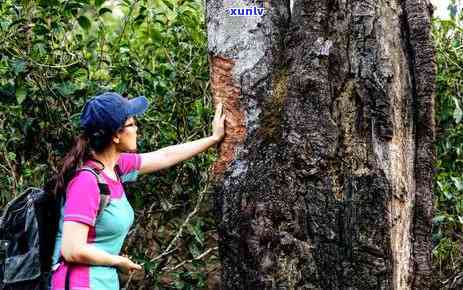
[88, 244]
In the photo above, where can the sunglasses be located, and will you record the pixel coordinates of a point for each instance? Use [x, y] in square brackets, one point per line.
[134, 123]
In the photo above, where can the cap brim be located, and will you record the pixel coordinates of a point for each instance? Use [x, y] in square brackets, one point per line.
[137, 106]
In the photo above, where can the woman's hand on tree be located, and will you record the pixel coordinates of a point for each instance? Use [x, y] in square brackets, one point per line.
[125, 264]
[218, 124]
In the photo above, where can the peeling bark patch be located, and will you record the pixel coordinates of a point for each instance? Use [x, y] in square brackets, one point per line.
[347, 111]
[225, 91]
[272, 114]
[367, 261]
[422, 58]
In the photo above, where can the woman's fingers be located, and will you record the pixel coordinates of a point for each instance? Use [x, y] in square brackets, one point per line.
[134, 267]
[218, 110]
[218, 113]
[218, 124]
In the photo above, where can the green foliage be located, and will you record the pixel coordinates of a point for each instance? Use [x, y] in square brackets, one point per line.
[56, 54]
[448, 200]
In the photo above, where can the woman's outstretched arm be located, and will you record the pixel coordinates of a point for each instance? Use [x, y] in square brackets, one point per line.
[171, 155]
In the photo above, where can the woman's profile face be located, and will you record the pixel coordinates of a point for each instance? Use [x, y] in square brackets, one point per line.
[128, 136]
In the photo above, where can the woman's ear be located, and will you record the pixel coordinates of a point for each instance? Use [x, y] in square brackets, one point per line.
[116, 139]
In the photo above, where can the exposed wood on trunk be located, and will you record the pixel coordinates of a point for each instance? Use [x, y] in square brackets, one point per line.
[225, 91]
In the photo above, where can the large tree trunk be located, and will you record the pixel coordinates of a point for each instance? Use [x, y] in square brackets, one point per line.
[325, 175]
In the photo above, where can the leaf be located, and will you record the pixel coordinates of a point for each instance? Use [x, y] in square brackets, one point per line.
[457, 113]
[104, 10]
[11, 156]
[458, 182]
[67, 88]
[139, 19]
[441, 186]
[19, 66]
[41, 29]
[168, 4]
[194, 250]
[84, 22]
[21, 94]
[72, 8]
[156, 35]
[75, 120]
[179, 284]
[197, 233]
[98, 3]
[448, 195]
[438, 219]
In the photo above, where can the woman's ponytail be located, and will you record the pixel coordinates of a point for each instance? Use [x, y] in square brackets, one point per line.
[71, 162]
[84, 148]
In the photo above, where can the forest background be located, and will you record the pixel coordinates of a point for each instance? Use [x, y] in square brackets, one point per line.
[55, 54]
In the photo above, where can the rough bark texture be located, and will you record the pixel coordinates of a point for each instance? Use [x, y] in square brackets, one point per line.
[325, 176]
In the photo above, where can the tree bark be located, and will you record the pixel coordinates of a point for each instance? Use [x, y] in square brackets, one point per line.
[324, 179]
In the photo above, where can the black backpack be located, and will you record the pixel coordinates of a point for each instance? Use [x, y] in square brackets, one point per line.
[28, 229]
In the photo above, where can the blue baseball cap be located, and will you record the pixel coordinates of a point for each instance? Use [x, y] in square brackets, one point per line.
[109, 111]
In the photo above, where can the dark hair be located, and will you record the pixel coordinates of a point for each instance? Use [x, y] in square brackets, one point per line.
[83, 149]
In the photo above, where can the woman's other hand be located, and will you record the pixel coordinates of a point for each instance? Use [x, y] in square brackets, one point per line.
[125, 264]
[218, 124]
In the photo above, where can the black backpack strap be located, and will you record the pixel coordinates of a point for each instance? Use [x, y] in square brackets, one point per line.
[104, 201]
[119, 174]
[118, 171]
[105, 194]
[68, 278]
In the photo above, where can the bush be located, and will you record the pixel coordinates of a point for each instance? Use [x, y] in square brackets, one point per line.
[55, 54]
[448, 198]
